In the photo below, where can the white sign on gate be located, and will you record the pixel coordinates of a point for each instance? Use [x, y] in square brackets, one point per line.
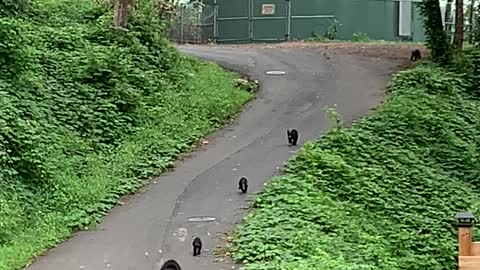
[268, 9]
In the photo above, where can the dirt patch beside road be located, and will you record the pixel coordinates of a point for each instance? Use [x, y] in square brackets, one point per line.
[392, 51]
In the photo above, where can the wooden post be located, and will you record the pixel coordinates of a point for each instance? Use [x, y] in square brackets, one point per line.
[465, 223]
[465, 241]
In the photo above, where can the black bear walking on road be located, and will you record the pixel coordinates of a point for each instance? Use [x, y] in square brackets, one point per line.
[197, 246]
[292, 136]
[171, 265]
[242, 184]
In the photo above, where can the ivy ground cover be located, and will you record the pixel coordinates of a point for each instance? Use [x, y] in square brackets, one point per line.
[89, 113]
[381, 194]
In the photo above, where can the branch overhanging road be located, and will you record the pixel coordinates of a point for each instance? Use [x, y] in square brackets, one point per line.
[160, 222]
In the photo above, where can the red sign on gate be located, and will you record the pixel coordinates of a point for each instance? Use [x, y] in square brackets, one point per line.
[268, 9]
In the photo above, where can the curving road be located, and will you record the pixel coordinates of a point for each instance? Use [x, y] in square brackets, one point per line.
[156, 224]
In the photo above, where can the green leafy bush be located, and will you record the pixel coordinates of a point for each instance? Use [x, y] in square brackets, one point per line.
[360, 37]
[467, 65]
[379, 195]
[88, 114]
[332, 30]
[13, 7]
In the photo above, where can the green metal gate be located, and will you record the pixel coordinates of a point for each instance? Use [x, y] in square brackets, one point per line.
[312, 19]
[232, 21]
[246, 21]
[251, 20]
[269, 21]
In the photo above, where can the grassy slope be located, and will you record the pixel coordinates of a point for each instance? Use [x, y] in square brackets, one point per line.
[379, 195]
[88, 114]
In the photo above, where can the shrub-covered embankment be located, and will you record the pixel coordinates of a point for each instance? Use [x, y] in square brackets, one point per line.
[88, 113]
[381, 194]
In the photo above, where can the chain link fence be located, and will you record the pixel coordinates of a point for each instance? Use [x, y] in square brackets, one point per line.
[192, 23]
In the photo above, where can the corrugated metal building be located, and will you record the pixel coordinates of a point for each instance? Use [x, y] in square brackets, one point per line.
[244, 21]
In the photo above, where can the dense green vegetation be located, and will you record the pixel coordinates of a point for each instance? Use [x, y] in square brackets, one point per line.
[88, 113]
[383, 193]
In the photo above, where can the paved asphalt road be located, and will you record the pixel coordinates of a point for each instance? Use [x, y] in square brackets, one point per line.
[154, 225]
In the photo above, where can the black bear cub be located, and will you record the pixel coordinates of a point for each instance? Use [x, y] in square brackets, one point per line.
[242, 184]
[171, 265]
[416, 55]
[197, 246]
[292, 136]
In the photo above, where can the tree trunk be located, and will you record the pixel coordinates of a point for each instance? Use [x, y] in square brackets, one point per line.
[458, 38]
[448, 17]
[434, 31]
[120, 13]
[471, 22]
